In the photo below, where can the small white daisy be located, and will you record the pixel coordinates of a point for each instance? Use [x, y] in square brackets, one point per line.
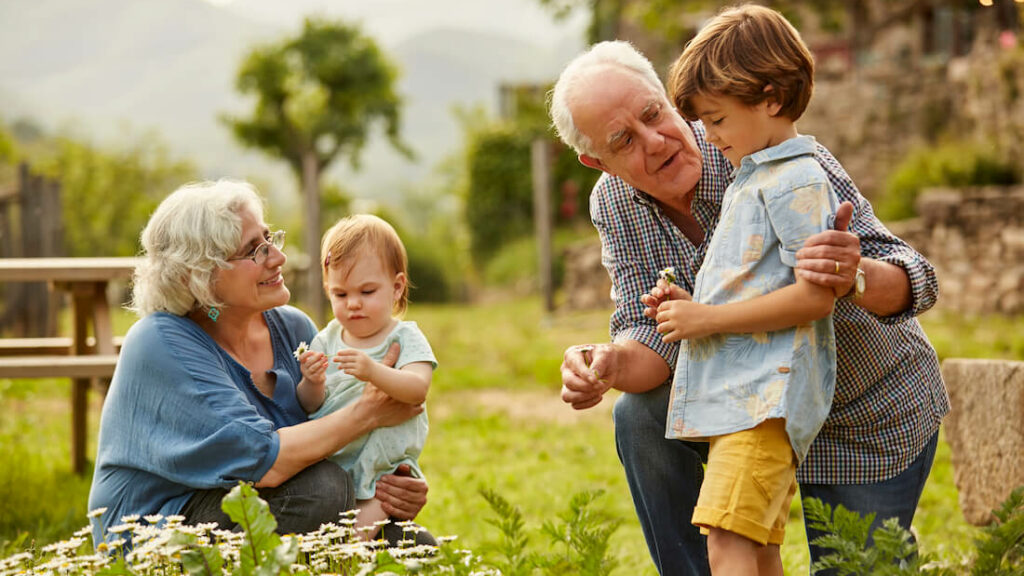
[303, 347]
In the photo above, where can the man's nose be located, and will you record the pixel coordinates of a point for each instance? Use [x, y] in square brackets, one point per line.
[653, 140]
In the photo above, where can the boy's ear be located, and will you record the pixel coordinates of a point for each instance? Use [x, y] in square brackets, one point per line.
[774, 106]
[591, 162]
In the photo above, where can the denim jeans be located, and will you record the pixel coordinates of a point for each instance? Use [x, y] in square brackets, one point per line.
[664, 478]
[896, 497]
[314, 496]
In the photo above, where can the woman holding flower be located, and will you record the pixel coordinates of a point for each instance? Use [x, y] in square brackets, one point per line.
[204, 392]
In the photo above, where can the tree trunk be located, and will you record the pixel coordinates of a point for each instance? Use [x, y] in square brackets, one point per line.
[311, 196]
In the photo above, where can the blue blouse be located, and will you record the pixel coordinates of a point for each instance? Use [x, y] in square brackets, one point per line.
[182, 415]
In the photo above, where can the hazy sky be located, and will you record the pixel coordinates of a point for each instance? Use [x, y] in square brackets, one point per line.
[391, 21]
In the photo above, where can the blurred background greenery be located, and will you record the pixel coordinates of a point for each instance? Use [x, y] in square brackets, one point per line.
[119, 108]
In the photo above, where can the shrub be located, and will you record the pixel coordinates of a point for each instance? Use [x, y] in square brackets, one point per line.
[954, 164]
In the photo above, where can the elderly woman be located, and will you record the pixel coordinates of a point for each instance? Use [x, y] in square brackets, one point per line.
[204, 392]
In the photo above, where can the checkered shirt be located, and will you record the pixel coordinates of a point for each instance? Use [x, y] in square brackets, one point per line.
[889, 398]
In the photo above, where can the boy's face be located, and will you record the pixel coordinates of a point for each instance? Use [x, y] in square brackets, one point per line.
[363, 293]
[637, 135]
[740, 130]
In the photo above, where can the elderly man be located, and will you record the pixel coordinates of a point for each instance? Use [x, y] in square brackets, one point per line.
[657, 206]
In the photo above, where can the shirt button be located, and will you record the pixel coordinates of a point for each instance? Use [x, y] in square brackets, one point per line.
[783, 369]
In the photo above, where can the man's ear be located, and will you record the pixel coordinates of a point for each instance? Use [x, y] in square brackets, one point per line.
[591, 162]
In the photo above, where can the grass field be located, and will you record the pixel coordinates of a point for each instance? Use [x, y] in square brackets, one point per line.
[496, 422]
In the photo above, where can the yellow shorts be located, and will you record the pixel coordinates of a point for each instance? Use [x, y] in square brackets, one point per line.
[749, 483]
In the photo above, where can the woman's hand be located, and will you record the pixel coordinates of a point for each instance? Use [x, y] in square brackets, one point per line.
[382, 410]
[401, 495]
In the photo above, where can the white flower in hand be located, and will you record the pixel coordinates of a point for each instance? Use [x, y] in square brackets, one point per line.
[303, 347]
[668, 275]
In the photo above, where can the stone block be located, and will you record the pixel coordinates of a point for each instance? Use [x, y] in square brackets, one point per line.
[985, 432]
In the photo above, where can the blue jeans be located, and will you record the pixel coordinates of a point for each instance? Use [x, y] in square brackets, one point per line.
[664, 478]
[896, 497]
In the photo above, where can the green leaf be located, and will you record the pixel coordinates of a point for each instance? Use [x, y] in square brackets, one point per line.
[252, 514]
[195, 559]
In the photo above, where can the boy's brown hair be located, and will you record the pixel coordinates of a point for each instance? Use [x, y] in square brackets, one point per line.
[742, 52]
[361, 233]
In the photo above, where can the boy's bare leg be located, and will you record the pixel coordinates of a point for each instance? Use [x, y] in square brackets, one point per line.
[769, 561]
[730, 554]
[370, 512]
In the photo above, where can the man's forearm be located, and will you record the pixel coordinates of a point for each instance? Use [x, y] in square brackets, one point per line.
[887, 288]
[640, 369]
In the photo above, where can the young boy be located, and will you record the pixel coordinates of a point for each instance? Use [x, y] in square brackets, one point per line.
[756, 368]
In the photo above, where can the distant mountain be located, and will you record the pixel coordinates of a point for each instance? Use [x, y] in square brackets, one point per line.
[170, 65]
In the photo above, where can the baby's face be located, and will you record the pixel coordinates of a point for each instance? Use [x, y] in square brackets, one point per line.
[363, 292]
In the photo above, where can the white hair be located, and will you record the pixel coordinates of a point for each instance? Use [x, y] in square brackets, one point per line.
[189, 236]
[599, 57]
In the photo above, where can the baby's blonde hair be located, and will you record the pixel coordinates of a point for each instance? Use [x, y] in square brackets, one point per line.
[354, 235]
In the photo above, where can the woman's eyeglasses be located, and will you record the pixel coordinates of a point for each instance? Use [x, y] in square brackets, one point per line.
[259, 254]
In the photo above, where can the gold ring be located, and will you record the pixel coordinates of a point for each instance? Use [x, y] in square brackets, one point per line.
[837, 266]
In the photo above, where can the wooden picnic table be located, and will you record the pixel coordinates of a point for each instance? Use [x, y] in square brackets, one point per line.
[84, 359]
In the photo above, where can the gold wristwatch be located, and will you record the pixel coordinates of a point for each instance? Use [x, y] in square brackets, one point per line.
[859, 284]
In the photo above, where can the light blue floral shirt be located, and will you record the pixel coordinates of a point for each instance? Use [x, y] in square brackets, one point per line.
[730, 382]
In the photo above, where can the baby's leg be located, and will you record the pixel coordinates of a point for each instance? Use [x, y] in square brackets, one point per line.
[370, 512]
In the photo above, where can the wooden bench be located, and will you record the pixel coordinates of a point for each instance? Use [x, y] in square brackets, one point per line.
[53, 366]
[55, 346]
[82, 370]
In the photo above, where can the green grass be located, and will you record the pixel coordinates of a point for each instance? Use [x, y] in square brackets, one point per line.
[496, 422]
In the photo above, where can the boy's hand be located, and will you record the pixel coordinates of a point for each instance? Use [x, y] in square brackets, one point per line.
[662, 292]
[355, 363]
[314, 366]
[683, 320]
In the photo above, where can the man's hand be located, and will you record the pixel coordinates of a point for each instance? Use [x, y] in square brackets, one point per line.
[588, 371]
[831, 258]
[401, 495]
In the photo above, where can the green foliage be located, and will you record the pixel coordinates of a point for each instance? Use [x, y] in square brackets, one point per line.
[1001, 545]
[514, 559]
[108, 195]
[318, 93]
[499, 196]
[499, 201]
[581, 538]
[847, 535]
[953, 164]
[585, 535]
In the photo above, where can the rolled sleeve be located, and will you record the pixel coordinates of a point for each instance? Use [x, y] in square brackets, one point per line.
[878, 243]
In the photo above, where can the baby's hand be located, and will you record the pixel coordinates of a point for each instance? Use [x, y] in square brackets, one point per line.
[355, 363]
[314, 366]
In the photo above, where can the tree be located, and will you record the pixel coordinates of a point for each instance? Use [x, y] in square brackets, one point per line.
[317, 97]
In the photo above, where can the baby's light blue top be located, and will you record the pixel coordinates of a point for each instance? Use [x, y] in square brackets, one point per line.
[382, 450]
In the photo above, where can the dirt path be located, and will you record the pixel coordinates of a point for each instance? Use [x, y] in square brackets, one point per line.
[525, 405]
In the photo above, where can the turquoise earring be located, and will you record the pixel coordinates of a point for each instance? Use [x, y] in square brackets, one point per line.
[213, 313]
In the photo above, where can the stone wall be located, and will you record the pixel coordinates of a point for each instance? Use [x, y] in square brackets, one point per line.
[975, 239]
